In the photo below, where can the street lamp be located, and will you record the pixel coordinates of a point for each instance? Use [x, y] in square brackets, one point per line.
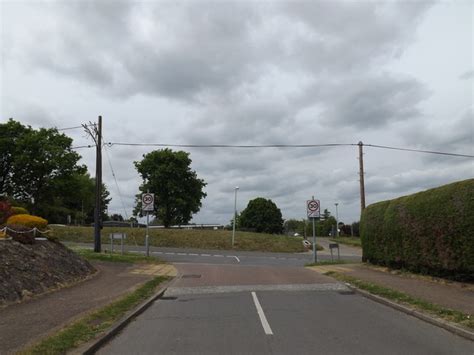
[337, 221]
[235, 215]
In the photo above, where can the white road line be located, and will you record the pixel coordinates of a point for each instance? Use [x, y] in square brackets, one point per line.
[193, 254]
[170, 253]
[238, 260]
[205, 254]
[182, 254]
[219, 256]
[157, 252]
[263, 319]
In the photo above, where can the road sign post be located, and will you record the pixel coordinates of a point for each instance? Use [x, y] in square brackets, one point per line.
[148, 205]
[313, 212]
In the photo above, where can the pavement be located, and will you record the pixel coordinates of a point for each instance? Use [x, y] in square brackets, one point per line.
[25, 323]
[454, 295]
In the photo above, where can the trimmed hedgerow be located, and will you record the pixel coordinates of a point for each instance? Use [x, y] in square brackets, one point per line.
[429, 232]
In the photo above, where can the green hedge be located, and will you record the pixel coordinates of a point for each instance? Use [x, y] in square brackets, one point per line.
[429, 232]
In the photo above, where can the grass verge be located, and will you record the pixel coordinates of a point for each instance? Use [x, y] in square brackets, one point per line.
[89, 327]
[329, 262]
[116, 257]
[192, 238]
[402, 298]
[351, 241]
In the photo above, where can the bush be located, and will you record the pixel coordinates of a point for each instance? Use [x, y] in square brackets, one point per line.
[5, 211]
[27, 221]
[18, 210]
[429, 232]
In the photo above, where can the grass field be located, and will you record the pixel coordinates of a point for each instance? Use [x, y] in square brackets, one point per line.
[192, 238]
[352, 241]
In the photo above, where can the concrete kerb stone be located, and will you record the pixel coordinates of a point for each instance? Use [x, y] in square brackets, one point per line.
[93, 346]
[451, 327]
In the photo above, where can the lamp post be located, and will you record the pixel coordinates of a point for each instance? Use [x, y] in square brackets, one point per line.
[235, 215]
[337, 221]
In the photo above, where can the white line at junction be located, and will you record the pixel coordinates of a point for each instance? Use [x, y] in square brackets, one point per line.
[266, 327]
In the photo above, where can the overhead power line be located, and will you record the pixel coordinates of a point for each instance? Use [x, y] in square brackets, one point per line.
[419, 151]
[116, 182]
[253, 146]
[229, 145]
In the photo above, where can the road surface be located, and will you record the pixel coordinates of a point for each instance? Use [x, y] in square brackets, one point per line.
[238, 308]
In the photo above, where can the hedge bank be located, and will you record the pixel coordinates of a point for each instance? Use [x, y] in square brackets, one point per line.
[429, 232]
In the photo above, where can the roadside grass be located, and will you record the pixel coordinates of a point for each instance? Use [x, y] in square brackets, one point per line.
[330, 262]
[405, 299]
[188, 238]
[351, 241]
[116, 257]
[90, 326]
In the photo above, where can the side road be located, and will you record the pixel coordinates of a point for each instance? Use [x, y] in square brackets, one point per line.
[25, 323]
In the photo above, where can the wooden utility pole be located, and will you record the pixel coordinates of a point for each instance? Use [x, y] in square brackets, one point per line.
[361, 177]
[98, 188]
[96, 134]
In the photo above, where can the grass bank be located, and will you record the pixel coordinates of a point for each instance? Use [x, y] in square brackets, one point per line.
[450, 315]
[117, 257]
[191, 238]
[352, 241]
[93, 325]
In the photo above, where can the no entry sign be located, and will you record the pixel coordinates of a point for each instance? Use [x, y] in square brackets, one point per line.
[148, 202]
[312, 208]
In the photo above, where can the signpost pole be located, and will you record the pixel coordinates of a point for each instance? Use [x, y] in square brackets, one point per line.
[146, 237]
[315, 258]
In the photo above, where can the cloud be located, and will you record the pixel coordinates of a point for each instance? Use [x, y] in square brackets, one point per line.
[240, 73]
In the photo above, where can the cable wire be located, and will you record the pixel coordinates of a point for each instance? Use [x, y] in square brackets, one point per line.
[116, 182]
[419, 150]
[110, 144]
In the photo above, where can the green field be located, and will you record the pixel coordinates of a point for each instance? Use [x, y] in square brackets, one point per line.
[352, 241]
[192, 238]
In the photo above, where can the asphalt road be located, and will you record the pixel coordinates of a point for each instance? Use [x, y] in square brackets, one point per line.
[267, 309]
[181, 255]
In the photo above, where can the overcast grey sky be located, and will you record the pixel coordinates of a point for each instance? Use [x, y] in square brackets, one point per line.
[245, 72]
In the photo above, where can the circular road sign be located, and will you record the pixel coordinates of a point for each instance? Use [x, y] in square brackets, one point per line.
[147, 199]
[313, 205]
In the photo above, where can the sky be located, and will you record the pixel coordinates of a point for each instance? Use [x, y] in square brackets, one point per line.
[252, 72]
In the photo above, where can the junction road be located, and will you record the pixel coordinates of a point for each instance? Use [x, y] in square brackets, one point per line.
[274, 309]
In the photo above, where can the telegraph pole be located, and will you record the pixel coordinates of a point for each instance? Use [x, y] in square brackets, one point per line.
[96, 134]
[98, 188]
[361, 177]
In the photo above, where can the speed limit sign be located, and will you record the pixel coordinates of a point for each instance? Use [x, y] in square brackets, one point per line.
[148, 202]
[312, 208]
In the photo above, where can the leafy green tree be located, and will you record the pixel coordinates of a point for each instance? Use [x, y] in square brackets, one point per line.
[40, 171]
[178, 191]
[262, 215]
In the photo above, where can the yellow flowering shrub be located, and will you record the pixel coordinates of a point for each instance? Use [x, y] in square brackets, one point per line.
[28, 221]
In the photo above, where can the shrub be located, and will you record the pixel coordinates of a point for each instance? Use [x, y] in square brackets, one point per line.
[5, 211]
[27, 221]
[429, 232]
[18, 210]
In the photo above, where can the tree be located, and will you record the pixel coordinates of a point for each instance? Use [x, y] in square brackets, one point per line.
[262, 215]
[178, 191]
[40, 171]
[116, 217]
